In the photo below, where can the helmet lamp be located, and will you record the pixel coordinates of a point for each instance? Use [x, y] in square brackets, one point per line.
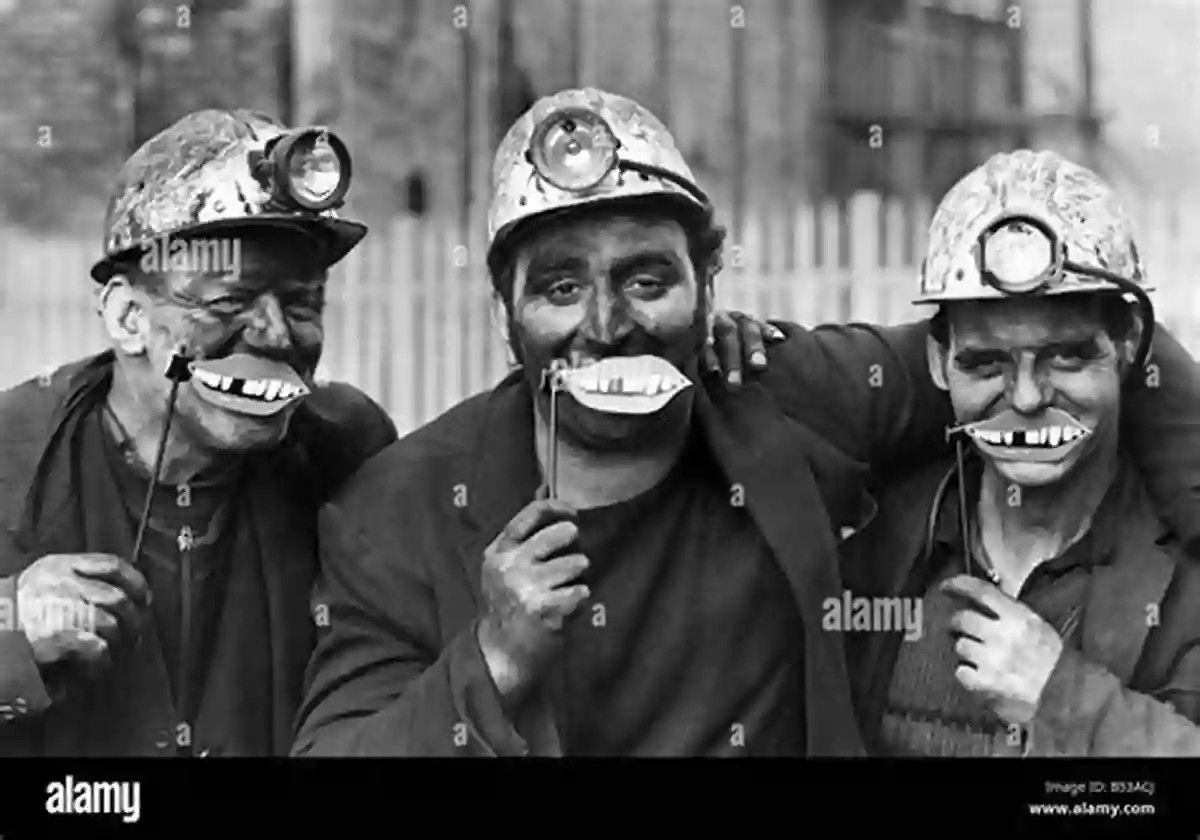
[1019, 255]
[574, 149]
[311, 168]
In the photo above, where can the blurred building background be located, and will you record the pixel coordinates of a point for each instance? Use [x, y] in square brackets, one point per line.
[824, 130]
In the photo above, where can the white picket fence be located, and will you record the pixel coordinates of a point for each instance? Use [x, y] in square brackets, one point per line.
[410, 315]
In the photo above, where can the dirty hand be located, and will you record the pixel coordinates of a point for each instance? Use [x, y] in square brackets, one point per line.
[526, 577]
[73, 607]
[1011, 652]
[737, 342]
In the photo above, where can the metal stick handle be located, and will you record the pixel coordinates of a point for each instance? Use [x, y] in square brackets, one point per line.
[552, 443]
[554, 376]
[178, 372]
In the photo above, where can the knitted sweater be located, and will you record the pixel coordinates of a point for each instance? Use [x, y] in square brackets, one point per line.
[928, 712]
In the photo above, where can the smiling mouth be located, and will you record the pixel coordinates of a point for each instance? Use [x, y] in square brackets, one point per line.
[1042, 444]
[247, 384]
[624, 384]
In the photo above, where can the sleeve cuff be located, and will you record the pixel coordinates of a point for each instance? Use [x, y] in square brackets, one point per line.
[1071, 705]
[479, 700]
[22, 690]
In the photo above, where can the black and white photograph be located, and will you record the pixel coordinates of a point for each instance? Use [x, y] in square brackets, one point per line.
[807, 382]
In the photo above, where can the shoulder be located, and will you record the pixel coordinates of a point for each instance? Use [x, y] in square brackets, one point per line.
[336, 430]
[27, 416]
[27, 413]
[27, 405]
[408, 468]
[343, 407]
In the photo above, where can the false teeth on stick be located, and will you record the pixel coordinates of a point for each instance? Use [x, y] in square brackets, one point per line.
[625, 384]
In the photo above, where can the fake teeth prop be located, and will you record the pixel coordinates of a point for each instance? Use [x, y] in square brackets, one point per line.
[261, 389]
[1045, 437]
[247, 384]
[1048, 442]
[625, 384]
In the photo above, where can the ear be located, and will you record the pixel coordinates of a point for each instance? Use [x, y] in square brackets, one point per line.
[1128, 346]
[501, 317]
[123, 310]
[938, 357]
[518, 266]
[705, 304]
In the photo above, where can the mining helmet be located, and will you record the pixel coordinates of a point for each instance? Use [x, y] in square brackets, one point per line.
[227, 170]
[580, 147]
[1032, 223]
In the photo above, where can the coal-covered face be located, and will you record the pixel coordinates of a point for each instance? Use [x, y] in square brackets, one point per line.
[255, 332]
[1037, 382]
[611, 287]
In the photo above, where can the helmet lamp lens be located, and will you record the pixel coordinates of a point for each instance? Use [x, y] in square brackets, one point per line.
[1019, 257]
[574, 150]
[315, 170]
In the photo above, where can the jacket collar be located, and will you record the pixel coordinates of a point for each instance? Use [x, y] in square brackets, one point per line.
[506, 475]
[779, 463]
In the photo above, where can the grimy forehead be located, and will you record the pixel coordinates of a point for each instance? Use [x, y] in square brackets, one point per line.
[1026, 321]
[600, 234]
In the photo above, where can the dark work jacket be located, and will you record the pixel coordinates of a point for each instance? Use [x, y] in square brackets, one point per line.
[264, 618]
[398, 670]
[1132, 688]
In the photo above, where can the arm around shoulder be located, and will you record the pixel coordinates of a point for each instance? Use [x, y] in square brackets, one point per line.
[865, 388]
